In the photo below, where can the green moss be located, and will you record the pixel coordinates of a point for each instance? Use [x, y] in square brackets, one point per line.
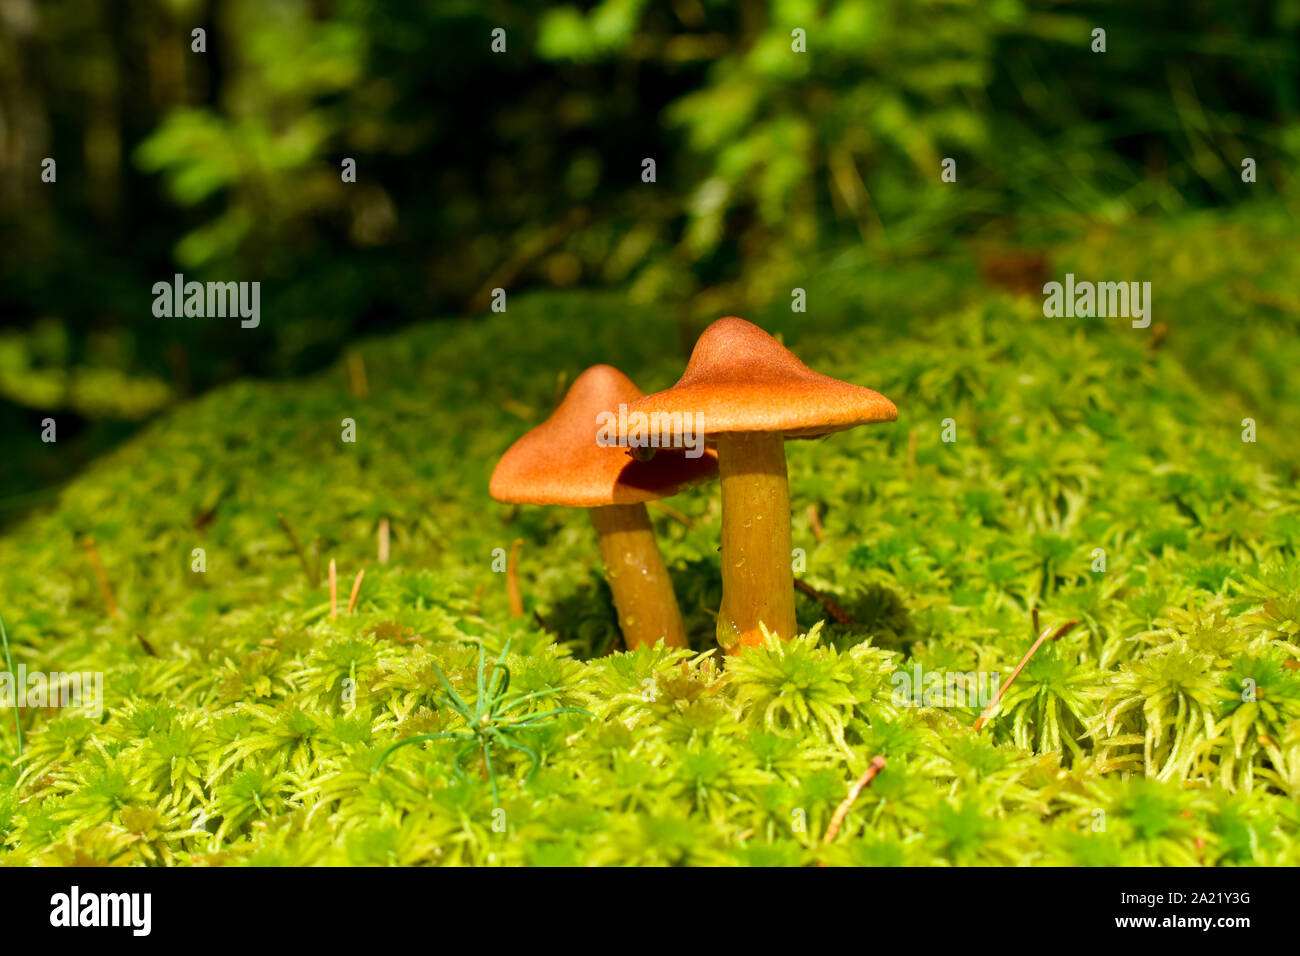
[242, 723]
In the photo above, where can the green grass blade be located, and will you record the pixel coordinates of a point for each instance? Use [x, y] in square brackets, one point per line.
[9, 666]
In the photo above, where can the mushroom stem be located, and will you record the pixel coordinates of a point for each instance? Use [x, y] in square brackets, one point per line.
[643, 592]
[757, 576]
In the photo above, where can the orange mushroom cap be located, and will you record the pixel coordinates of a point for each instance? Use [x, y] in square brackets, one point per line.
[740, 379]
[560, 462]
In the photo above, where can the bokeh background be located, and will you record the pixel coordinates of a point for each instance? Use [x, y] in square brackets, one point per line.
[522, 169]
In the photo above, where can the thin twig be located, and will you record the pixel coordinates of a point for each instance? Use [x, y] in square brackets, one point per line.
[832, 606]
[671, 513]
[357, 385]
[512, 579]
[523, 253]
[356, 590]
[297, 547]
[842, 811]
[991, 709]
[334, 591]
[815, 520]
[102, 578]
[383, 540]
[148, 648]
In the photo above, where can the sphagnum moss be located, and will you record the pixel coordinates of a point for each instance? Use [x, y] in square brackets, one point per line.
[250, 733]
[493, 721]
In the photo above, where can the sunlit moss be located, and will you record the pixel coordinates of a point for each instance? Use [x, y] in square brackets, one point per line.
[1090, 480]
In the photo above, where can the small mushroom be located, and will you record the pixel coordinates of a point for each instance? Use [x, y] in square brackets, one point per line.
[560, 462]
[745, 394]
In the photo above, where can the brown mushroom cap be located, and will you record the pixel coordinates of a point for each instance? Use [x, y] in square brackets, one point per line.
[560, 463]
[740, 379]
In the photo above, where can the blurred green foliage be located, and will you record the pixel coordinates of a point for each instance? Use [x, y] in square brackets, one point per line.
[522, 168]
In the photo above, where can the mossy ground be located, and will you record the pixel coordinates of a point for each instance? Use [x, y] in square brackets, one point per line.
[230, 733]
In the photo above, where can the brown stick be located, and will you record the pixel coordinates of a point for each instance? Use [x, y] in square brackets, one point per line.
[815, 520]
[992, 708]
[383, 540]
[832, 606]
[334, 591]
[102, 578]
[297, 547]
[356, 590]
[512, 579]
[842, 811]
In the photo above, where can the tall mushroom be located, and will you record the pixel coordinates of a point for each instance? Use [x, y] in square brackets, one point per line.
[560, 462]
[746, 393]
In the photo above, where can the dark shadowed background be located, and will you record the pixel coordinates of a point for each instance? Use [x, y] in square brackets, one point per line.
[523, 169]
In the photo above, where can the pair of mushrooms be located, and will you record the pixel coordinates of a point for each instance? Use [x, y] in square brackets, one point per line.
[748, 394]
